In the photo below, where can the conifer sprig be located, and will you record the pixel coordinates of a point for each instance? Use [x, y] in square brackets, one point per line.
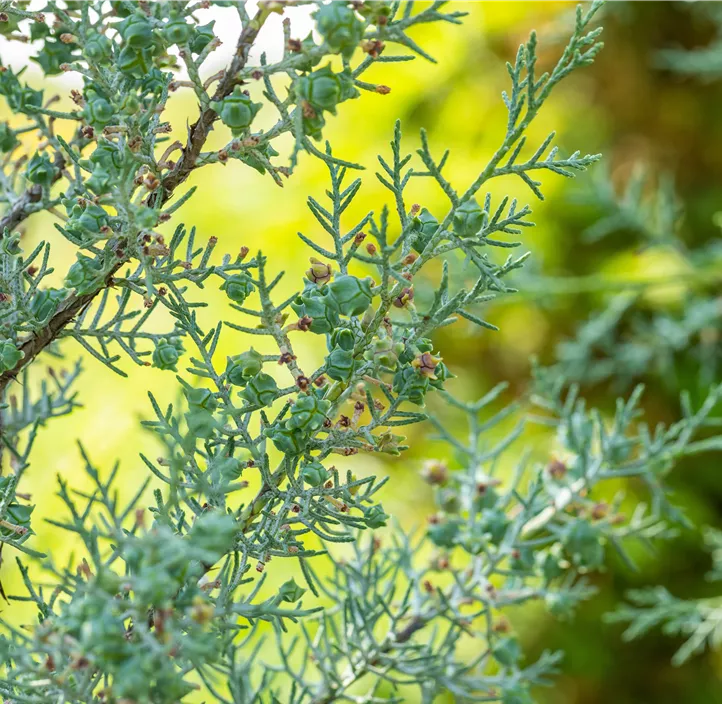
[253, 479]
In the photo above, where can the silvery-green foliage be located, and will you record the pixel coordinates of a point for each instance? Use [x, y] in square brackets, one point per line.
[703, 62]
[697, 621]
[164, 602]
[628, 338]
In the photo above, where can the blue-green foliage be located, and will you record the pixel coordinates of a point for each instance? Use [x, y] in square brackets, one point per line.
[169, 597]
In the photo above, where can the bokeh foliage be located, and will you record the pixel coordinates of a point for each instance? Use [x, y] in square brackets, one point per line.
[630, 107]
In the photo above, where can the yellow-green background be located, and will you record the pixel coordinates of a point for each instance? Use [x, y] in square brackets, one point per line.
[623, 107]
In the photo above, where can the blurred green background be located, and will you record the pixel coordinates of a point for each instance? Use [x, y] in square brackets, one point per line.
[626, 107]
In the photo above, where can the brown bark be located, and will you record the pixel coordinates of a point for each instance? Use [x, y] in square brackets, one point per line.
[197, 137]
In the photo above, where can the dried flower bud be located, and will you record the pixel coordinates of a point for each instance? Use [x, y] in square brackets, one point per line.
[426, 363]
[304, 323]
[373, 47]
[501, 625]
[405, 297]
[435, 472]
[320, 272]
[556, 469]
[600, 510]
